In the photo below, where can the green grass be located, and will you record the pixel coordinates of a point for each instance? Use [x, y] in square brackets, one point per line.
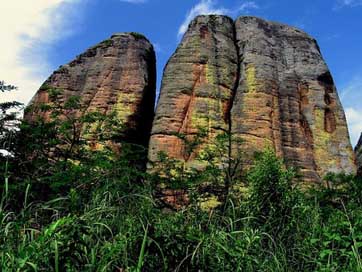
[120, 226]
[65, 207]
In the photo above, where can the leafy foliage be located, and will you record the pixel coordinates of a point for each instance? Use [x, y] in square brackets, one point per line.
[9, 118]
[67, 205]
[4, 87]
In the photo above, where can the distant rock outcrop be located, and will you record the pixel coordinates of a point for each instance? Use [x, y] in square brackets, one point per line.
[264, 82]
[118, 74]
[358, 152]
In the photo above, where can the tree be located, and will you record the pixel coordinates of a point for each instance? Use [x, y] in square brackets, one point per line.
[9, 118]
[223, 159]
[63, 144]
[220, 167]
[4, 87]
[271, 192]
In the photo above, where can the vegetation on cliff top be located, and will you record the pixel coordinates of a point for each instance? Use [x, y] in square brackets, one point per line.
[68, 205]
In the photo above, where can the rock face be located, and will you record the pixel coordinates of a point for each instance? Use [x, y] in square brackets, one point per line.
[264, 82]
[118, 74]
[197, 87]
[286, 99]
[358, 152]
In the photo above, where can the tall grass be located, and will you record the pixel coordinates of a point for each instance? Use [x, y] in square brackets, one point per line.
[118, 225]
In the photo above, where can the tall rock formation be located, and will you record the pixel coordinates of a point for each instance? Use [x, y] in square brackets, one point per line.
[286, 99]
[118, 74]
[264, 82]
[197, 87]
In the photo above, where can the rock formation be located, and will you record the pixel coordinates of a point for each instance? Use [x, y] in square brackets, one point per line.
[286, 98]
[358, 152]
[118, 74]
[262, 81]
[197, 87]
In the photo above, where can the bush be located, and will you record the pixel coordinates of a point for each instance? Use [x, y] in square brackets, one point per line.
[95, 210]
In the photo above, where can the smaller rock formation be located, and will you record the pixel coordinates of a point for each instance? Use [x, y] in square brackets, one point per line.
[117, 75]
[358, 152]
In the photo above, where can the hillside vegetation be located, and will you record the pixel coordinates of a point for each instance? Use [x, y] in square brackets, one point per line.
[69, 206]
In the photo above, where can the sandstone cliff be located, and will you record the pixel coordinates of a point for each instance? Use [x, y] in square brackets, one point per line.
[265, 82]
[118, 74]
[197, 87]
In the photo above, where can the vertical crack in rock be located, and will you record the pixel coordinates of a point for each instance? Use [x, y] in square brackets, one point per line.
[326, 81]
[239, 54]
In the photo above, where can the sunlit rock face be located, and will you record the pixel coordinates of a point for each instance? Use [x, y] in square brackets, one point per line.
[286, 99]
[117, 75]
[197, 88]
[264, 82]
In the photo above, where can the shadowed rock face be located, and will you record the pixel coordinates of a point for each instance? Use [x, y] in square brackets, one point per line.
[118, 75]
[358, 152]
[265, 82]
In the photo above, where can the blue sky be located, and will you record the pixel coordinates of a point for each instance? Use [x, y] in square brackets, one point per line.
[40, 35]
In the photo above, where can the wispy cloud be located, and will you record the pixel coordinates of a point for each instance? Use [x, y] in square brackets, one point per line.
[354, 116]
[347, 3]
[134, 1]
[204, 7]
[247, 6]
[28, 29]
[158, 48]
[351, 96]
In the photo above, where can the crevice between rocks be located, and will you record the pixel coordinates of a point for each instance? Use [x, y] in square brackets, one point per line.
[231, 102]
[236, 83]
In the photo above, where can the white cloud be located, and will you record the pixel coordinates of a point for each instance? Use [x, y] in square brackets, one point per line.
[134, 1]
[247, 6]
[158, 48]
[354, 119]
[347, 3]
[28, 29]
[206, 7]
[351, 95]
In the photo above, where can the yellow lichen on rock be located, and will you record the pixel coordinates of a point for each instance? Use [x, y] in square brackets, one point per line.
[251, 82]
[124, 105]
[322, 141]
